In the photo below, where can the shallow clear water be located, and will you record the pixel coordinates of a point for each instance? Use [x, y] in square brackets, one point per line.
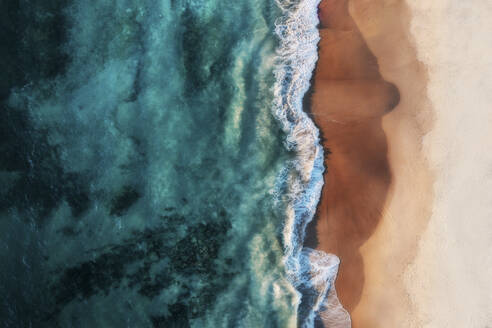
[157, 168]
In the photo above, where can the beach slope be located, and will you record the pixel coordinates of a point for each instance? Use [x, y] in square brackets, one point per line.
[404, 137]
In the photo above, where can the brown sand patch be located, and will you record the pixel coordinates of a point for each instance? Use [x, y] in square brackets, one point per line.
[374, 164]
[348, 101]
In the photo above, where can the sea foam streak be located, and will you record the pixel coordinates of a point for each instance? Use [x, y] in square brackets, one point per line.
[311, 272]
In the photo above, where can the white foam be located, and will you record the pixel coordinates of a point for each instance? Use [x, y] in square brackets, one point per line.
[297, 55]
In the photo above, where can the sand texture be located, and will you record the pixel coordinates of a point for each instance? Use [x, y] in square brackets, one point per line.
[392, 207]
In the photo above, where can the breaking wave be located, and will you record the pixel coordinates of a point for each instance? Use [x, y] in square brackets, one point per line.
[311, 272]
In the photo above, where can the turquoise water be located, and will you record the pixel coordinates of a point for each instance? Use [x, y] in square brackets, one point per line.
[158, 169]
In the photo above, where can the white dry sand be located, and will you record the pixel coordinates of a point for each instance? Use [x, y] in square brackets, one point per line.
[429, 263]
[450, 279]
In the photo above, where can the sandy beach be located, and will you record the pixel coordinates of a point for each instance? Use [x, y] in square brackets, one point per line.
[392, 208]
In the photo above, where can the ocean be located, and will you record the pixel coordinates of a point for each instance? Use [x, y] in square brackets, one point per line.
[157, 168]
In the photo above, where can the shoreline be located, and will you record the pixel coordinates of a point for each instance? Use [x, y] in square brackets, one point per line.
[371, 130]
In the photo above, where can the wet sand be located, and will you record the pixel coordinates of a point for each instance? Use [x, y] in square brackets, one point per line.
[369, 101]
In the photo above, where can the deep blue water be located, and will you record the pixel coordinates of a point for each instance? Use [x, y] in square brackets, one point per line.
[157, 168]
